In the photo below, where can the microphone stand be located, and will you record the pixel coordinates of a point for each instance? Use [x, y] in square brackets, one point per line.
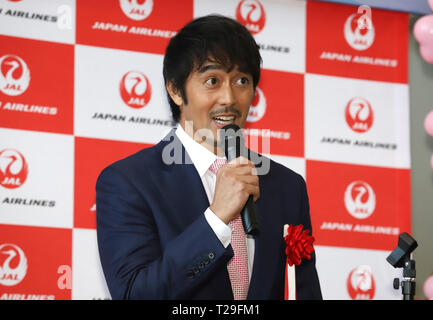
[408, 285]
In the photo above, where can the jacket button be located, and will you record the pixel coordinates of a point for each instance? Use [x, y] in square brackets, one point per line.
[195, 269]
[201, 265]
[211, 255]
[190, 274]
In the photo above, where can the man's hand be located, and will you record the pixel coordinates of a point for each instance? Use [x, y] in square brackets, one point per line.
[235, 182]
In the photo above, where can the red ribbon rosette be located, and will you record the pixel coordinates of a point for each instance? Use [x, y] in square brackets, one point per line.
[299, 245]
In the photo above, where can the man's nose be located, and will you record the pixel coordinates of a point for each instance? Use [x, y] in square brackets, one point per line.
[227, 95]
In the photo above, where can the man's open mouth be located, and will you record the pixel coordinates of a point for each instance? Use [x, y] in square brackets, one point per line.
[222, 121]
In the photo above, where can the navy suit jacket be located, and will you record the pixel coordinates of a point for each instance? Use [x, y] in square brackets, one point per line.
[155, 243]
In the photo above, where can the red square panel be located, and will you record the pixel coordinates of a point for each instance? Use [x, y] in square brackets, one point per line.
[35, 263]
[36, 85]
[276, 115]
[353, 42]
[358, 206]
[91, 157]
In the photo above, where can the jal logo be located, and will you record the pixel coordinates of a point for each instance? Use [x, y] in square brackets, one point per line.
[136, 9]
[359, 115]
[359, 31]
[251, 14]
[13, 169]
[258, 107]
[13, 264]
[135, 89]
[360, 200]
[14, 75]
[360, 283]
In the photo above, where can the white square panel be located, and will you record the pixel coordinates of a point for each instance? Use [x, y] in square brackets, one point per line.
[357, 274]
[37, 173]
[52, 20]
[357, 121]
[88, 282]
[120, 95]
[280, 31]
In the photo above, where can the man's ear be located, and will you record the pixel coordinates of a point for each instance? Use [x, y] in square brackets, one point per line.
[174, 94]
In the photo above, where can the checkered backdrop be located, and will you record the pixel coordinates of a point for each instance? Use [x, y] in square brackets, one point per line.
[81, 86]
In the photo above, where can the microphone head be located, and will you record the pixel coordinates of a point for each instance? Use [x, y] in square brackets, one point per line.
[229, 131]
[232, 126]
[232, 141]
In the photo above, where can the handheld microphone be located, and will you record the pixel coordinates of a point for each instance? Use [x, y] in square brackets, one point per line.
[234, 146]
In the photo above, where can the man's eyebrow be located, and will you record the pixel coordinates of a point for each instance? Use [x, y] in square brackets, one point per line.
[210, 67]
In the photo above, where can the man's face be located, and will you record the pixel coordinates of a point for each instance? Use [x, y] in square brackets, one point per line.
[216, 98]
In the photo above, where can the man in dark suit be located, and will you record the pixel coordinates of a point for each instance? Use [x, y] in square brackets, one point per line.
[168, 217]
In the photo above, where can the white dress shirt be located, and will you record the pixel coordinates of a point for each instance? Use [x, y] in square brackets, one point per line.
[202, 159]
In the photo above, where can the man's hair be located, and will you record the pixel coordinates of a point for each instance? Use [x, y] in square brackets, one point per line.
[219, 38]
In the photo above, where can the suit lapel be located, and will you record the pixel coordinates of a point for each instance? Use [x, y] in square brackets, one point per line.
[182, 182]
[263, 267]
[257, 274]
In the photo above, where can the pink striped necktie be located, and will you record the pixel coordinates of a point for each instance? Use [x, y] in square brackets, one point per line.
[238, 265]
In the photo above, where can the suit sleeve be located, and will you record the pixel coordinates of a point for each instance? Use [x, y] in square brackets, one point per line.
[309, 287]
[134, 263]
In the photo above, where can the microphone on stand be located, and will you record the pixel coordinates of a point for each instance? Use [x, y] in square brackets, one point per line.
[234, 146]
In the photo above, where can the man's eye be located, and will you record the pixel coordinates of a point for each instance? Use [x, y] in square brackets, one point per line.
[243, 80]
[211, 81]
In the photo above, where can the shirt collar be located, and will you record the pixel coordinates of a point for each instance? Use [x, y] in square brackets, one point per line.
[201, 157]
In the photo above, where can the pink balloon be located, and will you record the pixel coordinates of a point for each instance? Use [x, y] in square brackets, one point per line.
[426, 53]
[428, 123]
[423, 32]
[428, 288]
